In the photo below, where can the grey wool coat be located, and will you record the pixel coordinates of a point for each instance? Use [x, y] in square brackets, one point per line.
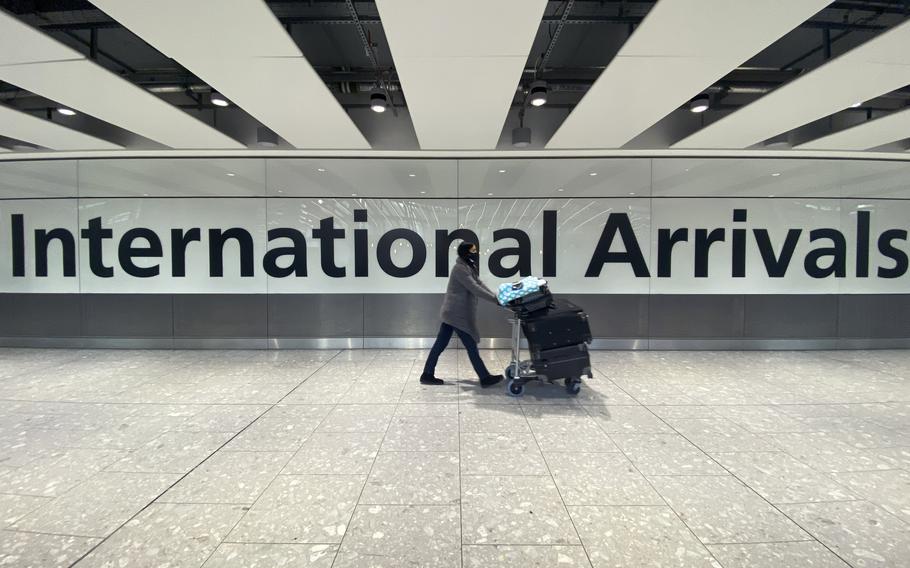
[459, 309]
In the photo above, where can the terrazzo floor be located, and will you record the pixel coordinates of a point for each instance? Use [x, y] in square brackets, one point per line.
[340, 458]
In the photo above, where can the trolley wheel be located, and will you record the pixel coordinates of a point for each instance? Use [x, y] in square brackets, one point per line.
[573, 386]
[509, 372]
[516, 388]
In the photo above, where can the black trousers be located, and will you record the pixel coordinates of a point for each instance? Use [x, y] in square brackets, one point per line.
[442, 340]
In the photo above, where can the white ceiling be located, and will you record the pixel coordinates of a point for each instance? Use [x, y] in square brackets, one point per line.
[681, 47]
[29, 128]
[876, 67]
[241, 49]
[460, 64]
[34, 61]
[870, 134]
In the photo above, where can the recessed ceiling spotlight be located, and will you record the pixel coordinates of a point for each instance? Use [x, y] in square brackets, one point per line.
[422, 192]
[592, 174]
[775, 174]
[320, 169]
[378, 101]
[856, 104]
[490, 194]
[66, 111]
[412, 175]
[560, 189]
[537, 95]
[502, 171]
[631, 193]
[218, 99]
[701, 103]
[353, 195]
[231, 174]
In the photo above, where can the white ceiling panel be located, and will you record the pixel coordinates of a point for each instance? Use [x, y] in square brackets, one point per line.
[460, 64]
[29, 128]
[241, 50]
[36, 62]
[681, 47]
[878, 66]
[889, 128]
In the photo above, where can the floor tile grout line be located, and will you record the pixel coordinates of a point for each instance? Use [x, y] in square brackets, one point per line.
[802, 528]
[556, 485]
[293, 455]
[184, 476]
[366, 479]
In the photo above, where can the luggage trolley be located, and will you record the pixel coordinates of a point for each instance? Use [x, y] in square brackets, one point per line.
[518, 372]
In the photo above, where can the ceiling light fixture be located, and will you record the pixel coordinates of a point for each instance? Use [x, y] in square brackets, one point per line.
[378, 101]
[265, 138]
[856, 104]
[502, 171]
[537, 95]
[66, 111]
[701, 103]
[320, 169]
[218, 99]
[592, 174]
[521, 137]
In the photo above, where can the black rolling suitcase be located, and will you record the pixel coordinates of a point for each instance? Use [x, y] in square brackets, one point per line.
[563, 324]
[570, 362]
[533, 304]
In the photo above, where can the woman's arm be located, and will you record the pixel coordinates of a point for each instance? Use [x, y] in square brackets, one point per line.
[473, 286]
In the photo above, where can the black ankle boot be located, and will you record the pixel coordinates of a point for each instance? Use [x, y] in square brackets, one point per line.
[490, 380]
[429, 379]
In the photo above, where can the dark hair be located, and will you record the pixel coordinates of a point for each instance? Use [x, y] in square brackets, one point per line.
[464, 251]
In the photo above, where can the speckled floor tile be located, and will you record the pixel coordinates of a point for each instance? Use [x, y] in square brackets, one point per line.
[30, 550]
[858, 531]
[301, 508]
[720, 435]
[514, 510]
[221, 418]
[170, 535]
[722, 509]
[98, 506]
[781, 478]
[173, 452]
[808, 554]
[823, 453]
[627, 420]
[492, 418]
[666, 454]
[358, 418]
[389, 536]
[506, 556]
[14, 507]
[447, 409]
[421, 434]
[504, 453]
[890, 489]
[616, 537]
[413, 478]
[332, 453]
[228, 477]
[56, 473]
[249, 555]
[599, 479]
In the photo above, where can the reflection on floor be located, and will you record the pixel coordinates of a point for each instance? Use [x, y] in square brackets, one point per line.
[327, 458]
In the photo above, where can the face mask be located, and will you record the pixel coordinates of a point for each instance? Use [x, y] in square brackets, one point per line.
[473, 258]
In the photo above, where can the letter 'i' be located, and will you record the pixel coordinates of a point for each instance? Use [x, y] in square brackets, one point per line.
[361, 254]
[739, 245]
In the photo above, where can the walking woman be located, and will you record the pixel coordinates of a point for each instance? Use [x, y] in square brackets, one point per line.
[459, 315]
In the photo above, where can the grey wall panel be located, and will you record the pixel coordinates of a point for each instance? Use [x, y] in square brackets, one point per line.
[127, 315]
[40, 315]
[220, 315]
[401, 315]
[614, 315]
[791, 316]
[315, 315]
[491, 320]
[874, 315]
[691, 316]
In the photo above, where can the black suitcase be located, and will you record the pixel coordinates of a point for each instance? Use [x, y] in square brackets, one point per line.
[562, 325]
[532, 304]
[569, 362]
